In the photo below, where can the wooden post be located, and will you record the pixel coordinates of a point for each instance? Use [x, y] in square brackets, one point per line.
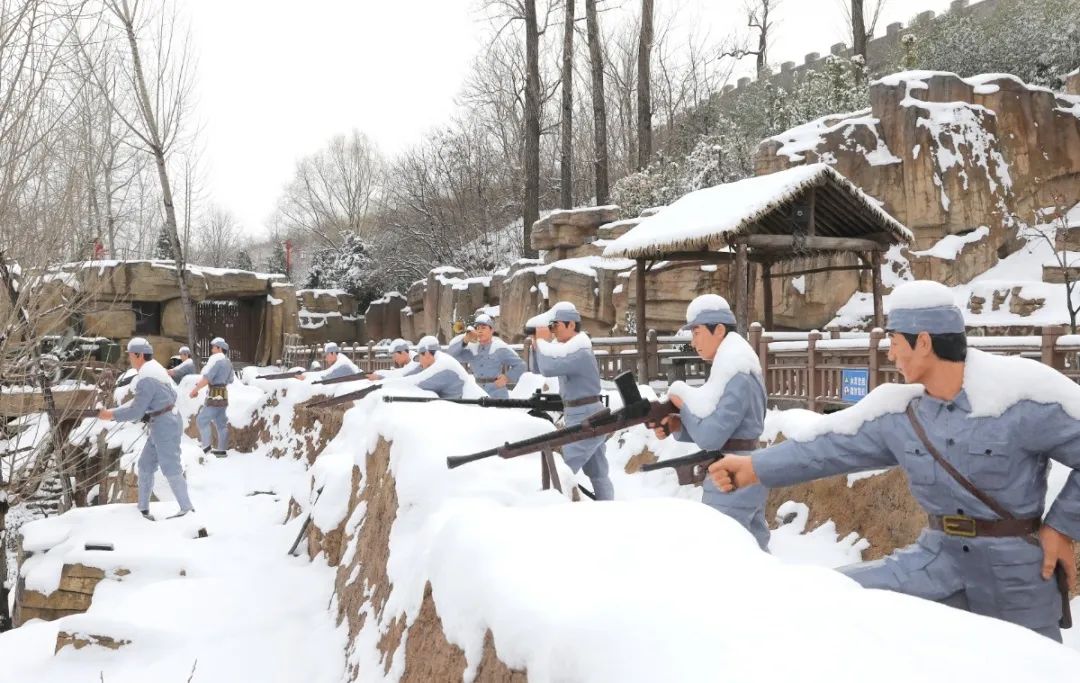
[526, 353]
[875, 275]
[742, 311]
[766, 293]
[1048, 351]
[811, 370]
[640, 327]
[874, 362]
[763, 358]
[652, 350]
[371, 355]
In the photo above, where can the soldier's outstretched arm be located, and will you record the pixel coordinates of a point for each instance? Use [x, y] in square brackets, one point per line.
[794, 462]
[136, 408]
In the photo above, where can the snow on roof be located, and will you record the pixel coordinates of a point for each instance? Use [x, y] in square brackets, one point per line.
[704, 216]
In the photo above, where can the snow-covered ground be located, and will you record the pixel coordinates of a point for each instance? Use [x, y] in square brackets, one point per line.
[652, 587]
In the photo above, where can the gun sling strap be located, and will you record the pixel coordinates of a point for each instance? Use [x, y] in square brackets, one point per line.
[962, 525]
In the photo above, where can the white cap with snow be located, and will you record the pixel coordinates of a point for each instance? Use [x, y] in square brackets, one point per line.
[184, 351]
[428, 343]
[708, 309]
[220, 343]
[139, 345]
[563, 311]
[331, 347]
[399, 345]
[484, 319]
[924, 306]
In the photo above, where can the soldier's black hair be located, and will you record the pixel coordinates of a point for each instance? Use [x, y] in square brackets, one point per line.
[731, 329]
[951, 346]
[147, 356]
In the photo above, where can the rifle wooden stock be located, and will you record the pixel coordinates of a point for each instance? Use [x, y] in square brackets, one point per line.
[73, 414]
[598, 424]
[345, 398]
[690, 469]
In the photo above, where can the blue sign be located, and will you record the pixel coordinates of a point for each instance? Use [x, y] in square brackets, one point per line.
[854, 383]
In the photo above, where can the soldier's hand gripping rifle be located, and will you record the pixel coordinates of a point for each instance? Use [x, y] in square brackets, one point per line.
[690, 469]
[537, 401]
[344, 398]
[636, 410]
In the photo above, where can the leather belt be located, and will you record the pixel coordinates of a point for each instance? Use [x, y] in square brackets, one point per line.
[969, 527]
[486, 380]
[740, 445]
[581, 401]
[158, 413]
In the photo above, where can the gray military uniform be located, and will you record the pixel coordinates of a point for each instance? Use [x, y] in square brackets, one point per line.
[340, 370]
[488, 361]
[445, 383]
[1006, 456]
[162, 447]
[739, 414]
[183, 370]
[218, 373]
[579, 378]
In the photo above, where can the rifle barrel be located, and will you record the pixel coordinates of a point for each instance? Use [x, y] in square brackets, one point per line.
[459, 460]
[692, 459]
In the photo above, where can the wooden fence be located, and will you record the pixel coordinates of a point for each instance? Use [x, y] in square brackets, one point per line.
[801, 369]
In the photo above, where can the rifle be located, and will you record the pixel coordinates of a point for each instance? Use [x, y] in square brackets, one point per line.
[690, 469]
[124, 381]
[344, 398]
[538, 401]
[344, 378]
[636, 410]
[61, 414]
[282, 375]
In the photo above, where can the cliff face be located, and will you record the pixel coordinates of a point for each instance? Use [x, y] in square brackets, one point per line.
[945, 156]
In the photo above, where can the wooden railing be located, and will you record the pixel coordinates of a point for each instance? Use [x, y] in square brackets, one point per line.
[800, 369]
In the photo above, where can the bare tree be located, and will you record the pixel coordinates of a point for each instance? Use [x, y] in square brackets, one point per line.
[1055, 233]
[644, 86]
[860, 26]
[218, 238]
[153, 110]
[760, 16]
[334, 190]
[599, 104]
[532, 126]
[566, 131]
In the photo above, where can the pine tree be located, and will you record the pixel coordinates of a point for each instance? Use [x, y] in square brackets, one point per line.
[349, 267]
[241, 260]
[276, 262]
[163, 247]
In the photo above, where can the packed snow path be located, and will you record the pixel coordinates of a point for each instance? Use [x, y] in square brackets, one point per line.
[242, 611]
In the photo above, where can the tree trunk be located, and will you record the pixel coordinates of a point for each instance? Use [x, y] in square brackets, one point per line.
[566, 133]
[532, 126]
[858, 30]
[599, 104]
[644, 93]
[157, 148]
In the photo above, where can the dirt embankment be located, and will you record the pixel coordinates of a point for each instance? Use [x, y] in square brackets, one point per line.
[363, 587]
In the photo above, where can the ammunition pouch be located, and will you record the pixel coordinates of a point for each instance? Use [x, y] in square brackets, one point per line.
[218, 396]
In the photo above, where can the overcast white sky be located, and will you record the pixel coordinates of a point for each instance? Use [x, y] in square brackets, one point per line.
[277, 78]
